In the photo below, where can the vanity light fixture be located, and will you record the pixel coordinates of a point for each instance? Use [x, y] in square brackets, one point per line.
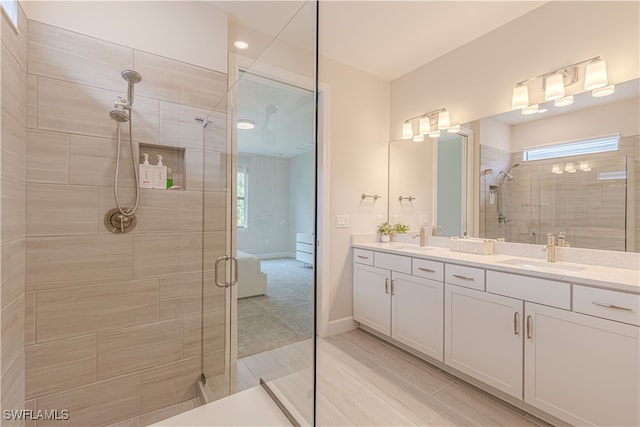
[556, 169]
[568, 167]
[584, 166]
[554, 84]
[531, 109]
[430, 123]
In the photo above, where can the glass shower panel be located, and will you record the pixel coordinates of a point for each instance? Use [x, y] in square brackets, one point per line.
[259, 201]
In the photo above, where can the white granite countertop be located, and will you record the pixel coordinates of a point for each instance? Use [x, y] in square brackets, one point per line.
[620, 279]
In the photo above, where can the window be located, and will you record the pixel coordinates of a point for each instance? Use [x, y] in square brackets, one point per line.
[589, 146]
[241, 198]
[11, 9]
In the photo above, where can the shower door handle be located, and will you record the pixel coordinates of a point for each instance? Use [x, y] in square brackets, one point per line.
[235, 271]
[216, 270]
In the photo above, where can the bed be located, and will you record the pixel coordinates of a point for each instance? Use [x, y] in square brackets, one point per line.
[251, 280]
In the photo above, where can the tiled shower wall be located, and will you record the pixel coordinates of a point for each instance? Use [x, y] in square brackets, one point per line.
[113, 324]
[592, 212]
[492, 160]
[12, 215]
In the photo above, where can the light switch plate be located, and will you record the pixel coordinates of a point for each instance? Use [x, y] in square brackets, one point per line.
[343, 221]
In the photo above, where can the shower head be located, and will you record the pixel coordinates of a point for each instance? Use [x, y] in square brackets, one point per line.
[507, 174]
[119, 116]
[132, 77]
[513, 166]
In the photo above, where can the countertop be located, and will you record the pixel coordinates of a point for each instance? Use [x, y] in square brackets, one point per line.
[620, 279]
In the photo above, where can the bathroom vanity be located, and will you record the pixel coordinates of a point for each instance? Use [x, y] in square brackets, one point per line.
[562, 338]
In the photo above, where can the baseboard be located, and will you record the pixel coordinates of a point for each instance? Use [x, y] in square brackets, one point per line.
[205, 395]
[341, 325]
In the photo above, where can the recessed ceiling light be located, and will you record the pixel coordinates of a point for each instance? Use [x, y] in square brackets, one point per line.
[240, 44]
[245, 124]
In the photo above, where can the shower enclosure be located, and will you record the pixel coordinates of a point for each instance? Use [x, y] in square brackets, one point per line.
[137, 326]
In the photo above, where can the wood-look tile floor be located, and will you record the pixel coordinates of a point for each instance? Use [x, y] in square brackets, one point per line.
[364, 381]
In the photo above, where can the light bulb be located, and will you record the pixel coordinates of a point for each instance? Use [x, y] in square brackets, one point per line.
[434, 134]
[531, 109]
[443, 120]
[520, 98]
[454, 129]
[595, 75]
[241, 44]
[564, 101]
[554, 87]
[425, 126]
[584, 166]
[603, 91]
[556, 169]
[418, 138]
[407, 130]
[568, 167]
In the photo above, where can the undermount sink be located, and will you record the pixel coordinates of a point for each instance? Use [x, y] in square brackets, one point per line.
[535, 265]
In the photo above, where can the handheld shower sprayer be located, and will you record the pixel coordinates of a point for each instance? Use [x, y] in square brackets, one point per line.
[132, 77]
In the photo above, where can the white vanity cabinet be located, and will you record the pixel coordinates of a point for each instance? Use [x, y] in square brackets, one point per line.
[407, 308]
[581, 369]
[483, 337]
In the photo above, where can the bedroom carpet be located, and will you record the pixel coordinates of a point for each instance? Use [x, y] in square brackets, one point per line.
[282, 316]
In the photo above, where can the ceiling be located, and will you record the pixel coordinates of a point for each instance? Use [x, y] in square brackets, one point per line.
[385, 38]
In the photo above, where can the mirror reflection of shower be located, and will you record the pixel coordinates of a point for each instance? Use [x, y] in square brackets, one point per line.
[122, 219]
[503, 200]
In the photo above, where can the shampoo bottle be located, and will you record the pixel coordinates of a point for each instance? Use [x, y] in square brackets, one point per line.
[160, 175]
[146, 173]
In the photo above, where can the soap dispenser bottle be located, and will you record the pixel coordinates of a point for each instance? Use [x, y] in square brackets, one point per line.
[160, 175]
[146, 172]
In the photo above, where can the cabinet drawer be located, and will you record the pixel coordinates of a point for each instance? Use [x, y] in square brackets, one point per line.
[542, 291]
[399, 263]
[469, 277]
[607, 304]
[428, 269]
[362, 256]
[304, 257]
[304, 247]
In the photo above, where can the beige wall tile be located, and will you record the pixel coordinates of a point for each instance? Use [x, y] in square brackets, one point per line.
[190, 211]
[190, 252]
[178, 126]
[191, 336]
[16, 42]
[14, 148]
[169, 384]
[30, 405]
[86, 109]
[92, 162]
[60, 365]
[12, 271]
[214, 331]
[155, 255]
[47, 157]
[62, 210]
[180, 296]
[214, 247]
[158, 211]
[12, 343]
[216, 137]
[13, 207]
[214, 175]
[145, 121]
[175, 81]
[29, 318]
[216, 211]
[213, 363]
[14, 87]
[32, 101]
[79, 260]
[82, 310]
[96, 404]
[12, 387]
[131, 349]
[66, 55]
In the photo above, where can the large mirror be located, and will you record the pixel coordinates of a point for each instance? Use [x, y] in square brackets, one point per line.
[593, 199]
[429, 184]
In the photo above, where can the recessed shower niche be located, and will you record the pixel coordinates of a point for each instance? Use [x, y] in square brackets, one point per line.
[173, 158]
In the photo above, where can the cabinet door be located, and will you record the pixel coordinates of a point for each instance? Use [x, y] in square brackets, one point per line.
[582, 369]
[372, 297]
[416, 313]
[483, 337]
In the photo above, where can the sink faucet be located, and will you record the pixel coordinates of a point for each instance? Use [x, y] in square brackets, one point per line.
[550, 247]
[423, 237]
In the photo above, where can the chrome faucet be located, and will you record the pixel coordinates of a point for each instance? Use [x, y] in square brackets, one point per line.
[423, 237]
[550, 247]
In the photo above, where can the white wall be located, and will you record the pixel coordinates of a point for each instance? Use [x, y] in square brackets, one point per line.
[269, 224]
[476, 80]
[301, 194]
[358, 155]
[191, 31]
[495, 133]
[622, 116]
